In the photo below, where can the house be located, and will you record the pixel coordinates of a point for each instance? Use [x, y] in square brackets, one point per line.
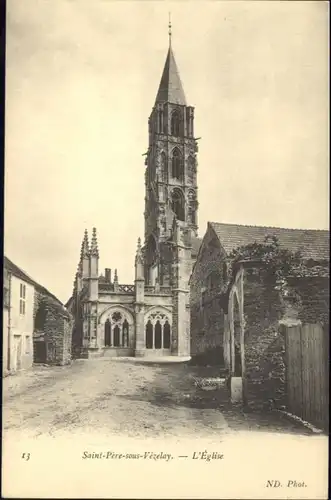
[210, 294]
[36, 325]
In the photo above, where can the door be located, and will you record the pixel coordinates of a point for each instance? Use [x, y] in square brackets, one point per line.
[39, 352]
[17, 353]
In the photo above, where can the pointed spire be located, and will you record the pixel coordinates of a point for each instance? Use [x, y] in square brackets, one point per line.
[84, 252]
[94, 243]
[170, 88]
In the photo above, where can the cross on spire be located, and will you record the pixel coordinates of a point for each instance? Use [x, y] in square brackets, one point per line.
[169, 30]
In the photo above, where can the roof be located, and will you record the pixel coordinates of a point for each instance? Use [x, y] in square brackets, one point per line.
[170, 88]
[312, 243]
[19, 273]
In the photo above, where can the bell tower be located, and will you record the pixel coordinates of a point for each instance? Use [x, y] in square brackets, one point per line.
[171, 171]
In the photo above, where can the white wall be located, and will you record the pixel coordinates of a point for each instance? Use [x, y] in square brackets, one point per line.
[21, 326]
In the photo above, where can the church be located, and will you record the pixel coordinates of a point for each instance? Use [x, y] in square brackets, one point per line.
[150, 317]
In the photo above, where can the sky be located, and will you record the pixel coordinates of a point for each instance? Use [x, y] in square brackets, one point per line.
[81, 81]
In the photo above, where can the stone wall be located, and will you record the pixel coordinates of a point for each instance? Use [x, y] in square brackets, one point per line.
[207, 315]
[264, 342]
[264, 309]
[56, 330]
[314, 297]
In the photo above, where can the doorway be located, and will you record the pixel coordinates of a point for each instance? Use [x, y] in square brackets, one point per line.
[39, 352]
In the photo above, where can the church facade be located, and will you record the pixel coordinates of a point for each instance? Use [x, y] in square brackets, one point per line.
[150, 317]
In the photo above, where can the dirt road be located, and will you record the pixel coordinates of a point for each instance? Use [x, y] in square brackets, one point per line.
[124, 397]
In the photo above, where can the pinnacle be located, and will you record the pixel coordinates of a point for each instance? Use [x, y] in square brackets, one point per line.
[94, 243]
[84, 252]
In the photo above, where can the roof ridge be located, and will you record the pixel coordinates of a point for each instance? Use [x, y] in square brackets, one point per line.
[268, 227]
[32, 280]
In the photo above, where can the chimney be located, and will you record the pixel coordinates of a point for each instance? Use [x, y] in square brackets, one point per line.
[108, 275]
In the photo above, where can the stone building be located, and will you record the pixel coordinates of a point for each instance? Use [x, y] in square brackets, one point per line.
[36, 325]
[152, 315]
[211, 297]
[254, 321]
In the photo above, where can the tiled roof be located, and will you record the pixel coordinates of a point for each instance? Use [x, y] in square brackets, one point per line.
[312, 243]
[19, 273]
[171, 89]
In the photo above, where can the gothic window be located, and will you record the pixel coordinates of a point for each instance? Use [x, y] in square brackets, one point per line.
[190, 168]
[177, 204]
[158, 335]
[177, 165]
[107, 333]
[166, 335]
[175, 124]
[158, 331]
[163, 164]
[149, 335]
[117, 330]
[125, 342]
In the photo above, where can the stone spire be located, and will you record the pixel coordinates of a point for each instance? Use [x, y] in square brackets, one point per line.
[94, 243]
[85, 251]
[170, 88]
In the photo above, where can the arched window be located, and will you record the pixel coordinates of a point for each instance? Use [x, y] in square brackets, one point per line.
[117, 330]
[166, 335]
[158, 331]
[177, 204]
[177, 165]
[117, 336]
[158, 335]
[163, 167]
[175, 124]
[149, 335]
[107, 333]
[125, 341]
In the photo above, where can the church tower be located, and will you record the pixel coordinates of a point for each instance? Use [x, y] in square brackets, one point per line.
[171, 173]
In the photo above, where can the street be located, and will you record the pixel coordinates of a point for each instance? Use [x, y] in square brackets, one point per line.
[128, 397]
